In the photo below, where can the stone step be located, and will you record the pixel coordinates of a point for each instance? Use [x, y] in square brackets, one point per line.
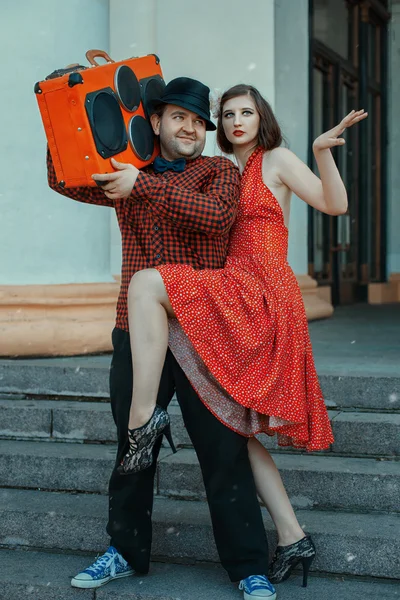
[365, 392]
[347, 543]
[44, 576]
[311, 481]
[356, 433]
[326, 481]
[57, 420]
[88, 376]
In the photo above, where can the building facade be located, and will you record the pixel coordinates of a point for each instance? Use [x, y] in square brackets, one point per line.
[314, 60]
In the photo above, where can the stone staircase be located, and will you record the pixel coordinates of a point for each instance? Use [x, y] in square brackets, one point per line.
[57, 444]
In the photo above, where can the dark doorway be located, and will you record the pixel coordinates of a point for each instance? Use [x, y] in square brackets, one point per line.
[348, 70]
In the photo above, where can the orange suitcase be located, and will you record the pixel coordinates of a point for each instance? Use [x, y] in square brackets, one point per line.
[91, 114]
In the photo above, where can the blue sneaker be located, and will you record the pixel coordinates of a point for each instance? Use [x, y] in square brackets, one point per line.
[111, 565]
[257, 587]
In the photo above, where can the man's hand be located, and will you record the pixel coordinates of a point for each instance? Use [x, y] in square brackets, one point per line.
[119, 184]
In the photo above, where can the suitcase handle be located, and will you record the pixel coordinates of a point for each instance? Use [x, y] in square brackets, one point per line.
[91, 54]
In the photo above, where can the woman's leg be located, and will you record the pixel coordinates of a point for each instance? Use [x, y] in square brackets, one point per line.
[148, 311]
[273, 494]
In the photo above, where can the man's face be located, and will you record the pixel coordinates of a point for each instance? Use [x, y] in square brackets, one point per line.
[182, 133]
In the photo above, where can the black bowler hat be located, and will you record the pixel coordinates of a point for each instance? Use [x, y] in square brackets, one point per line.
[190, 94]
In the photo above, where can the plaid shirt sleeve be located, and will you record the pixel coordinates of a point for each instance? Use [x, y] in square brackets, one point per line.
[210, 212]
[90, 195]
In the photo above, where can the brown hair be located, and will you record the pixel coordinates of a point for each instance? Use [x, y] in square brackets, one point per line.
[158, 109]
[269, 133]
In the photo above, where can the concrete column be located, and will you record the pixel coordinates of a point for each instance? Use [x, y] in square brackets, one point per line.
[207, 41]
[292, 102]
[212, 43]
[220, 43]
[291, 108]
[132, 33]
[49, 245]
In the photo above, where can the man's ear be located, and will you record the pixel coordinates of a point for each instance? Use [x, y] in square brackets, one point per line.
[155, 121]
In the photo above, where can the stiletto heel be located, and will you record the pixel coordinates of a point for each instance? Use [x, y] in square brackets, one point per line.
[167, 433]
[287, 557]
[306, 562]
[142, 441]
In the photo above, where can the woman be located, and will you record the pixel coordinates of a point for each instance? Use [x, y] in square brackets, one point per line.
[241, 333]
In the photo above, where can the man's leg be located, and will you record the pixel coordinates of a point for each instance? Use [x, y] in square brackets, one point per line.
[131, 496]
[235, 512]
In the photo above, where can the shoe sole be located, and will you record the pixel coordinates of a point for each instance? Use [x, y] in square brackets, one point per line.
[255, 597]
[78, 583]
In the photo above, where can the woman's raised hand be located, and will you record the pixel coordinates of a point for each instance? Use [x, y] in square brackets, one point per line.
[331, 138]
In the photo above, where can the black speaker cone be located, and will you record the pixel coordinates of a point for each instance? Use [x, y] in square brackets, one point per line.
[127, 88]
[151, 89]
[106, 122]
[141, 137]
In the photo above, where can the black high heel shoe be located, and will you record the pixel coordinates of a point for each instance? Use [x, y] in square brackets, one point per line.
[142, 440]
[287, 557]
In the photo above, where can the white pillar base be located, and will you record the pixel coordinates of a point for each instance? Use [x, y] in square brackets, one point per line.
[316, 299]
[385, 293]
[57, 320]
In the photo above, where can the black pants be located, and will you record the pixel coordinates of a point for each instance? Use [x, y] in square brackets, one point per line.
[238, 528]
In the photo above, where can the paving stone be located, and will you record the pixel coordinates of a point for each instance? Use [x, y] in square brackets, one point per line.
[39, 576]
[44, 576]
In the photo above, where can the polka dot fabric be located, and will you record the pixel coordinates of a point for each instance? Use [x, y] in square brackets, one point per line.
[241, 332]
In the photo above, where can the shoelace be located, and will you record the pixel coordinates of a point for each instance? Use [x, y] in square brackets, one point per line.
[106, 560]
[256, 582]
[133, 449]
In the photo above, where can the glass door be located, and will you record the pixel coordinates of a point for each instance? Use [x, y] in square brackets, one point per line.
[348, 71]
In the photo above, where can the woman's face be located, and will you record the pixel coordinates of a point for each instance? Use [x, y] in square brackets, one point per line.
[240, 121]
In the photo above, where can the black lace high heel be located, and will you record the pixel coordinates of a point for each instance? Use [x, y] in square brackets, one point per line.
[168, 435]
[287, 557]
[142, 440]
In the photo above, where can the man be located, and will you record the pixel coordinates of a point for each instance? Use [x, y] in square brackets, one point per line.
[179, 210]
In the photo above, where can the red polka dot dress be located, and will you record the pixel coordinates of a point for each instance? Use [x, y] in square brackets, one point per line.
[241, 332]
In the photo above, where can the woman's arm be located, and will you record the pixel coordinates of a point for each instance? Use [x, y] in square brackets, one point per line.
[328, 193]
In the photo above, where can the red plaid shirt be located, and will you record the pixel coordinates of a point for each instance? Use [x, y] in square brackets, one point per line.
[169, 217]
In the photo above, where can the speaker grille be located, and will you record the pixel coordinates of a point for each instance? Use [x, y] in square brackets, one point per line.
[127, 88]
[141, 137]
[106, 121]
